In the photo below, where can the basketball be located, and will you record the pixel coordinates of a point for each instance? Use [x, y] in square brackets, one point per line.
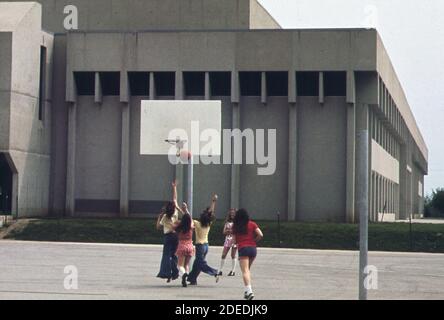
[185, 156]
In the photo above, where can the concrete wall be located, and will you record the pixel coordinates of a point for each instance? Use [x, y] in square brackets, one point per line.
[253, 50]
[260, 18]
[131, 15]
[99, 128]
[29, 144]
[264, 196]
[210, 179]
[150, 177]
[59, 125]
[5, 87]
[387, 72]
[321, 159]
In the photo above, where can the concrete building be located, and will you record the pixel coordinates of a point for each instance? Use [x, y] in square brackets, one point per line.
[70, 121]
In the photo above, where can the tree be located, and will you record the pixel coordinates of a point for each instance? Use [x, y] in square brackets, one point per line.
[434, 204]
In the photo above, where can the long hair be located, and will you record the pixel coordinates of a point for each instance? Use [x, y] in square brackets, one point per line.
[170, 209]
[241, 220]
[185, 224]
[206, 218]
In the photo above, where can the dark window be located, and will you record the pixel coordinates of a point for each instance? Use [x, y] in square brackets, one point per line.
[110, 83]
[250, 83]
[165, 83]
[335, 83]
[85, 83]
[194, 83]
[139, 83]
[277, 84]
[42, 82]
[220, 83]
[307, 84]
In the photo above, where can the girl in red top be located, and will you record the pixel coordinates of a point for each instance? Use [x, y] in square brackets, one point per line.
[247, 234]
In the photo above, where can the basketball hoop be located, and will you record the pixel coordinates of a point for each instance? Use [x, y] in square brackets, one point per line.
[179, 146]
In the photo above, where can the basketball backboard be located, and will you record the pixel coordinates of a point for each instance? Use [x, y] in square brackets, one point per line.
[198, 123]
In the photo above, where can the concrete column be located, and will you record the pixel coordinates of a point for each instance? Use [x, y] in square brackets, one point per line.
[292, 147]
[403, 183]
[375, 197]
[370, 196]
[292, 94]
[98, 96]
[15, 195]
[362, 123]
[321, 88]
[71, 92]
[236, 124]
[179, 91]
[292, 161]
[207, 86]
[125, 159]
[264, 87]
[235, 88]
[71, 161]
[179, 168]
[235, 168]
[125, 145]
[351, 151]
[152, 91]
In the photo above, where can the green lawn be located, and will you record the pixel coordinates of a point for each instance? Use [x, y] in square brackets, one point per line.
[382, 237]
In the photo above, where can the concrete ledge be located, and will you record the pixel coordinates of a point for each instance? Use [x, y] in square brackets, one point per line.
[388, 217]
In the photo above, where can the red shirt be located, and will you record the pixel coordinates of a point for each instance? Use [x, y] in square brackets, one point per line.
[247, 240]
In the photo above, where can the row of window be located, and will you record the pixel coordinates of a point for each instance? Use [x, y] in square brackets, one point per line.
[220, 83]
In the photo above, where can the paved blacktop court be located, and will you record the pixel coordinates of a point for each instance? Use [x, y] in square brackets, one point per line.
[30, 270]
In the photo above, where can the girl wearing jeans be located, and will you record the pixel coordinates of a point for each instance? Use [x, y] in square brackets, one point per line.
[202, 228]
[168, 220]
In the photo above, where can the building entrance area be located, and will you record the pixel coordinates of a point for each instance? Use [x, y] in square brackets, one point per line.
[5, 186]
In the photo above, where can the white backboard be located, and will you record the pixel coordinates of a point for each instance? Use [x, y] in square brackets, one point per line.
[198, 122]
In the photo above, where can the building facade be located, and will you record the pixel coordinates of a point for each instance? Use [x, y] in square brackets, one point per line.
[317, 88]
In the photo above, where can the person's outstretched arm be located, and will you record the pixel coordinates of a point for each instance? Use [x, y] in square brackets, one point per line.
[213, 205]
[259, 235]
[174, 186]
[159, 219]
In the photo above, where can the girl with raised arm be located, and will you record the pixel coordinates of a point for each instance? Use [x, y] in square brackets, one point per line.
[247, 234]
[168, 220]
[185, 250]
[202, 228]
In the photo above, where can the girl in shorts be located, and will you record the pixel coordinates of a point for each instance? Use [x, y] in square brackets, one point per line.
[247, 234]
[185, 249]
[229, 244]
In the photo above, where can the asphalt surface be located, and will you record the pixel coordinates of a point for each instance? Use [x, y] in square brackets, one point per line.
[31, 270]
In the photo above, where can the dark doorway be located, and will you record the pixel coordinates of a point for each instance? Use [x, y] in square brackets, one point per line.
[5, 186]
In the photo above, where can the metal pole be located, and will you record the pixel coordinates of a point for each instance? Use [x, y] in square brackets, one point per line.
[362, 207]
[190, 180]
[410, 234]
[279, 229]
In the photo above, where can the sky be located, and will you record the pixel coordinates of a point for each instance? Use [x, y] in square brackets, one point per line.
[413, 34]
